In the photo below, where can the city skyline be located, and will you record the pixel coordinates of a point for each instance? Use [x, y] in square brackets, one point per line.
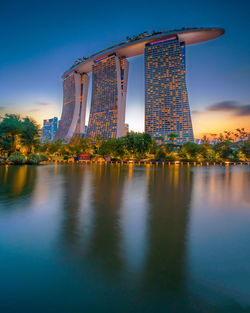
[217, 80]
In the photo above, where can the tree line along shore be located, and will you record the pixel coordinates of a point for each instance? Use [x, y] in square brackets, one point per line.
[20, 144]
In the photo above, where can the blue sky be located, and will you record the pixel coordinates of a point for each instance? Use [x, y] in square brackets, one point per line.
[41, 39]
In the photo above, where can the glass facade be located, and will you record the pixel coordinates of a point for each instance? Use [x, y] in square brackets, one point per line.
[75, 90]
[166, 99]
[49, 129]
[109, 88]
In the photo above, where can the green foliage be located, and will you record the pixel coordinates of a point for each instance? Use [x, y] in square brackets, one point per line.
[33, 158]
[224, 150]
[17, 158]
[109, 147]
[29, 133]
[245, 149]
[55, 147]
[21, 135]
[189, 151]
[6, 144]
[172, 137]
[10, 128]
[43, 157]
[11, 125]
[160, 155]
[137, 144]
[41, 147]
[132, 146]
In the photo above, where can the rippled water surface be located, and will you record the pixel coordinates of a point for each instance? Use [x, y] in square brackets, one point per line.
[113, 238]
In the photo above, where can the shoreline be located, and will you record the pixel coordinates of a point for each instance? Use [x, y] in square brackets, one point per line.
[145, 163]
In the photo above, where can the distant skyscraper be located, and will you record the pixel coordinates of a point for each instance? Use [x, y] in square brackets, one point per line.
[126, 129]
[75, 90]
[166, 100]
[49, 129]
[109, 89]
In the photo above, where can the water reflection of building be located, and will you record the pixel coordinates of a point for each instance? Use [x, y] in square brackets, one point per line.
[17, 182]
[42, 187]
[169, 196]
[104, 245]
[134, 217]
[91, 212]
[138, 222]
[73, 183]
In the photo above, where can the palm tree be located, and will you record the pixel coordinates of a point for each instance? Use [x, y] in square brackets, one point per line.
[172, 136]
[228, 135]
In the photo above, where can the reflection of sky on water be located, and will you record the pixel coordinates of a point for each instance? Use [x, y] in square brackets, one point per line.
[151, 237]
[134, 220]
[218, 243]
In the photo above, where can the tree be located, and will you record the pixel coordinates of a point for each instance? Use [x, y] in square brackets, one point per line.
[241, 133]
[172, 136]
[228, 135]
[96, 143]
[109, 147]
[17, 158]
[29, 134]
[10, 128]
[204, 140]
[55, 146]
[223, 149]
[245, 149]
[6, 144]
[137, 144]
[189, 151]
[158, 139]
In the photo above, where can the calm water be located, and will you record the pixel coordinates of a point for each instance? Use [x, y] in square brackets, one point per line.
[94, 238]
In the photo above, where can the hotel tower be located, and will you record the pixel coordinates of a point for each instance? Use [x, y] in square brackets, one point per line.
[166, 100]
[75, 90]
[109, 88]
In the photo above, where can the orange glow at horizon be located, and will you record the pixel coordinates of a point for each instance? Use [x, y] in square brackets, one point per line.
[206, 123]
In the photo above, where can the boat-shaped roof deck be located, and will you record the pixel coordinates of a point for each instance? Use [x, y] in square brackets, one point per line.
[135, 46]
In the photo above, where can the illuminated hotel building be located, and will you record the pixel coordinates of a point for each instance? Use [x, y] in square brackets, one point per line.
[109, 88]
[166, 100]
[75, 90]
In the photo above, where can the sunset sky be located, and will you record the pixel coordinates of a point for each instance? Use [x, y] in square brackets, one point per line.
[41, 39]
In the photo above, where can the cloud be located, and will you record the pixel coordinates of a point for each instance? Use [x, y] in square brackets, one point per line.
[234, 107]
[43, 103]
